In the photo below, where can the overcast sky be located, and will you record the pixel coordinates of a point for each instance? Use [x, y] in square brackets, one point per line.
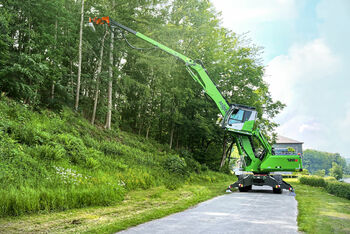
[307, 58]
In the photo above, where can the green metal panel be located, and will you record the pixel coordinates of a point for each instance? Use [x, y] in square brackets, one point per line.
[247, 148]
[281, 163]
[248, 125]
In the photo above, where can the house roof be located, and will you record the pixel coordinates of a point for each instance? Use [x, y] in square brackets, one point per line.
[285, 140]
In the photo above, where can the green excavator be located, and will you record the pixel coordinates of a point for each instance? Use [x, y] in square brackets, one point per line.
[258, 162]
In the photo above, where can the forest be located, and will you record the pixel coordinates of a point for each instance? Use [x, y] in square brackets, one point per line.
[85, 117]
[322, 162]
[51, 59]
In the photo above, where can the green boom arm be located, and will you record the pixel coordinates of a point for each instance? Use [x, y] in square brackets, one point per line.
[196, 69]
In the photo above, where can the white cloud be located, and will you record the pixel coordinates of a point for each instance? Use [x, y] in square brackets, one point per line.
[242, 16]
[301, 79]
[310, 72]
[309, 127]
[311, 62]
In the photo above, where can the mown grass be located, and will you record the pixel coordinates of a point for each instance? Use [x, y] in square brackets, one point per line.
[53, 162]
[139, 206]
[319, 211]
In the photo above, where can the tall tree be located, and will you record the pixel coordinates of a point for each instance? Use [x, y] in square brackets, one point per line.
[80, 56]
[97, 78]
[110, 83]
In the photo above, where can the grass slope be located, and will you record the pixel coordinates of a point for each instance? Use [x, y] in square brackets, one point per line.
[319, 211]
[58, 161]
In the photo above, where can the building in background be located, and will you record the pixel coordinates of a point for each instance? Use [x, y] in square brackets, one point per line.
[284, 143]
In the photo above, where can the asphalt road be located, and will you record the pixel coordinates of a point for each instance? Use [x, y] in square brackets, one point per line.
[258, 211]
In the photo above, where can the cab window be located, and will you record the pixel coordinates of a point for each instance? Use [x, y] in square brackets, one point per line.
[236, 116]
[239, 116]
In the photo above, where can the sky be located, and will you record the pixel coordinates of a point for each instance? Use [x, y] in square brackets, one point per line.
[307, 57]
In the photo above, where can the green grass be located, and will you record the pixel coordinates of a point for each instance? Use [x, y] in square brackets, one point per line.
[319, 211]
[139, 206]
[53, 162]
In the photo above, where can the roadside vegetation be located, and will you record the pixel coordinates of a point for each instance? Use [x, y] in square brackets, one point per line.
[319, 211]
[139, 206]
[330, 184]
[323, 163]
[57, 161]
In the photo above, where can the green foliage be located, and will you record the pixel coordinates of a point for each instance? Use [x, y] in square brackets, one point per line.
[291, 149]
[336, 171]
[53, 152]
[72, 164]
[313, 181]
[320, 173]
[25, 200]
[156, 97]
[176, 165]
[339, 189]
[314, 160]
[332, 186]
[319, 211]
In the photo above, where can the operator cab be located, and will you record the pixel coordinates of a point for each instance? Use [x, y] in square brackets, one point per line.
[240, 118]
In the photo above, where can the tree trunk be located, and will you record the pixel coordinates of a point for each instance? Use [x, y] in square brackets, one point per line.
[140, 128]
[147, 132]
[71, 78]
[172, 135]
[80, 55]
[99, 68]
[53, 82]
[110, 84]
[224, 152]
[177, 141]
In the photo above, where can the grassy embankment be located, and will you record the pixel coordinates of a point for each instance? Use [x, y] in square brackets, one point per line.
[138, 207]
[319, 211]
[54, 162]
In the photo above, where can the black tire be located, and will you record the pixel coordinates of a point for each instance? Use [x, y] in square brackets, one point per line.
[243, 189]
[249, 187]
[277, 190]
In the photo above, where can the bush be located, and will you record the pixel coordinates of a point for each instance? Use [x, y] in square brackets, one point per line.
[192, 164]
[52, 152]
[339, 189]
[176, 165]
[332, 186]
[173, 183]
[313, 181]
[74, 146]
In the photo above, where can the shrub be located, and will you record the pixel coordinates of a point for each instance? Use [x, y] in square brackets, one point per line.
[339, 189]
[313, 181]
[74, 146]
[332, 186]
[176, 165]
[193, 165]
[204, 167]
[52, 152]
[173, 183]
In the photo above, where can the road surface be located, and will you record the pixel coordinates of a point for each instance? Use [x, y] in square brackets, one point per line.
[347, 180]
[258, 211]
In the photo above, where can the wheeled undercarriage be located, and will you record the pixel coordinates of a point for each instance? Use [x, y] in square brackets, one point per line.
[246, 181]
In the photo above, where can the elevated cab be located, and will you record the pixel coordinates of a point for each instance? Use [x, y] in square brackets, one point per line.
[240, 119]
